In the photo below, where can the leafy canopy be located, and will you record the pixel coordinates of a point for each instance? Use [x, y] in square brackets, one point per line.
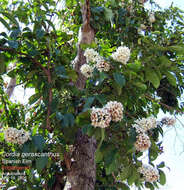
[41, 37]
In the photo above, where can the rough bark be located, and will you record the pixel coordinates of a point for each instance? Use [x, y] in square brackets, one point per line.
[82, 175]
[82, 172]
[86, 36]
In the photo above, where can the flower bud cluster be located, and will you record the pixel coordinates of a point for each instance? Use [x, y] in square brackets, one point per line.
[149, 173]
[93, 56]
[122, 54]
[15, 136]
[101, 117]
[168, 121]
[147, 123]
[115, 109]
[87, 70]
[141, 126]
[143, 142]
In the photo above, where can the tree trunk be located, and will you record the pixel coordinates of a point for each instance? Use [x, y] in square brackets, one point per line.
[82, 174]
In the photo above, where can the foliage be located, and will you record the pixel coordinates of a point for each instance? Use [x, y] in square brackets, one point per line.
[35, 37]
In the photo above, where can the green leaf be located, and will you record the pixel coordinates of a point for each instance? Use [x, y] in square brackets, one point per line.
[136, 66]
[41, 162]
[120, 79]
[125, 173]
[123, 186]
[161, 165]
[1, 137]
[10, 17]
[165, 62]
[40, 33]
[72, 75]
[88, 103]
[39, 142]
[152, 77]
[13, 44]
[83, 118]
[34, 98]
[98, 156]
[68, 120]
[114, 165]
[101, 98]
[59, 116]
[61, 72]
[109, 15]
[4, 23]
[162, 177]
[140, 85]
[2, 68]
[177, 49]
[149, 185]
[14, 34]
[171, 78]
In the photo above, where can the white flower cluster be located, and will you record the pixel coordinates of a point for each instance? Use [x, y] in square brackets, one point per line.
[87, 70]
[150, 174]
[102, 65]
[93, 56]
[169, 121]
[115, 109]
[16, 136]
[122, 54]
[146, 123]
[101, 117]
[143, 142]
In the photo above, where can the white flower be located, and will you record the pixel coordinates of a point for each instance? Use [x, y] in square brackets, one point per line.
[122, 54]
[24, 136]
[100, 117]
[150, 174]
[147, 123]
[87, 70]
[16, 136]
[138, 129]
[115, 109]
[142, 143]
[91, 55]
[152, 18]
[102, 65]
